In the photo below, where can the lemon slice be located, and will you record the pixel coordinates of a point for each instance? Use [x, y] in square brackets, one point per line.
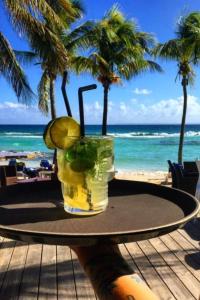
[64, 132]
[47, 137]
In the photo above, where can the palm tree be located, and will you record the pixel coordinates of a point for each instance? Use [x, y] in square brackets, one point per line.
[22, 19]
[11, 70]
[73, 40]
[51, 71]
[117, 51]
[185, 51]
[40, 21]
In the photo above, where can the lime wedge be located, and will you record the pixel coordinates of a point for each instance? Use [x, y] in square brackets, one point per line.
[64, 132]
[47, 137]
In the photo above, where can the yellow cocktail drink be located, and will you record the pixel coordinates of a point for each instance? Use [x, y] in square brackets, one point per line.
[84, 170]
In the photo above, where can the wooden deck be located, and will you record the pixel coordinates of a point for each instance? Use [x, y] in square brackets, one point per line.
[170, 265]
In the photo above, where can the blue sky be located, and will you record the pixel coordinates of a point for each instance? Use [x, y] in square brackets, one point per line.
[148, 98]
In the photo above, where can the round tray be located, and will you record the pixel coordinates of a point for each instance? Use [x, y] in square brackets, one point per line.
[33, 212]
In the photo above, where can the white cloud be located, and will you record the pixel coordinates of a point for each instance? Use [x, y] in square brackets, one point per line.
[97, 106]
[134, 100]
[8, 105]
[164, 111]
[18, 113]
[138, 91]
[93, 112]
[132, 111]
[123, 108]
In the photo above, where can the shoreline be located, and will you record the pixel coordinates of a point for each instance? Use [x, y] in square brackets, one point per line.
[158, 177]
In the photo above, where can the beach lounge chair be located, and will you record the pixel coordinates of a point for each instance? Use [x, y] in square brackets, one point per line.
[31, 172]
[12, 162]
[20, 165]
[190, 166]
[183, 180]
[173, 174]
[8, 175]
[44, 163]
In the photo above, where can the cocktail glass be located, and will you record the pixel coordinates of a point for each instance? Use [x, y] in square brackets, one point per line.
[84, 170]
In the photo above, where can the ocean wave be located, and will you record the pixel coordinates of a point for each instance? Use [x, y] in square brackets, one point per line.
[20, 132]
[25, 136]
[140, 134]
[176, 142]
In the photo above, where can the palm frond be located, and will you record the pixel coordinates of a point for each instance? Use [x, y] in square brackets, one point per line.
[114, 15]
[154, 67]
[168, 50]
[11, 70]
[41, 38]
[68, 11]
[26, 57]
[84, 64]
[189, 30]
[80, 37]
[38, 9]
[44, 93]
[189, 25]
[50, 50]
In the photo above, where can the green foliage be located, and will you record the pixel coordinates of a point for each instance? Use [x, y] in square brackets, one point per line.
[11, 70]
[185, 50]
[43, 93]
[117, 49]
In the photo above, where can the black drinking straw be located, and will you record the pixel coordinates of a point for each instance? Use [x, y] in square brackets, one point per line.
[81, 110]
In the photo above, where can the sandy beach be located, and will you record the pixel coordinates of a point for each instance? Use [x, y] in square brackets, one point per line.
[158, 177]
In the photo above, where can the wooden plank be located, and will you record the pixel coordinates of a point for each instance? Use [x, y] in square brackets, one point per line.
[168, 276]
[1, 239]
[194, 242]
[5, 257]
[129, 259]
[193, 229]
[149, 273]
[193, 253]
[12, 281]
[48, 280]
[30, 279]
[189, 281]
[184, 240]
[84, 288]
[181, 253]
[65, 274]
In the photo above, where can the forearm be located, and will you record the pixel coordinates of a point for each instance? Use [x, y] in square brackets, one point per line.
[110, 275]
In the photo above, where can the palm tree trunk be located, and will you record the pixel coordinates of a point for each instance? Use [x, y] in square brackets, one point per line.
[182, 131]
[105, 108]
[64, 93]
[52, 98]
[53, 114]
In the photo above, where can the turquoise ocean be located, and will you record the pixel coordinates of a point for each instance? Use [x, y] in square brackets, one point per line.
[137, 147]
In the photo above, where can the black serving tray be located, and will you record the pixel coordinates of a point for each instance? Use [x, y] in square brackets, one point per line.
[33, 212]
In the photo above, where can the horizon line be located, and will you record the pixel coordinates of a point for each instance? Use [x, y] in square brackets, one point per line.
[114, 124]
